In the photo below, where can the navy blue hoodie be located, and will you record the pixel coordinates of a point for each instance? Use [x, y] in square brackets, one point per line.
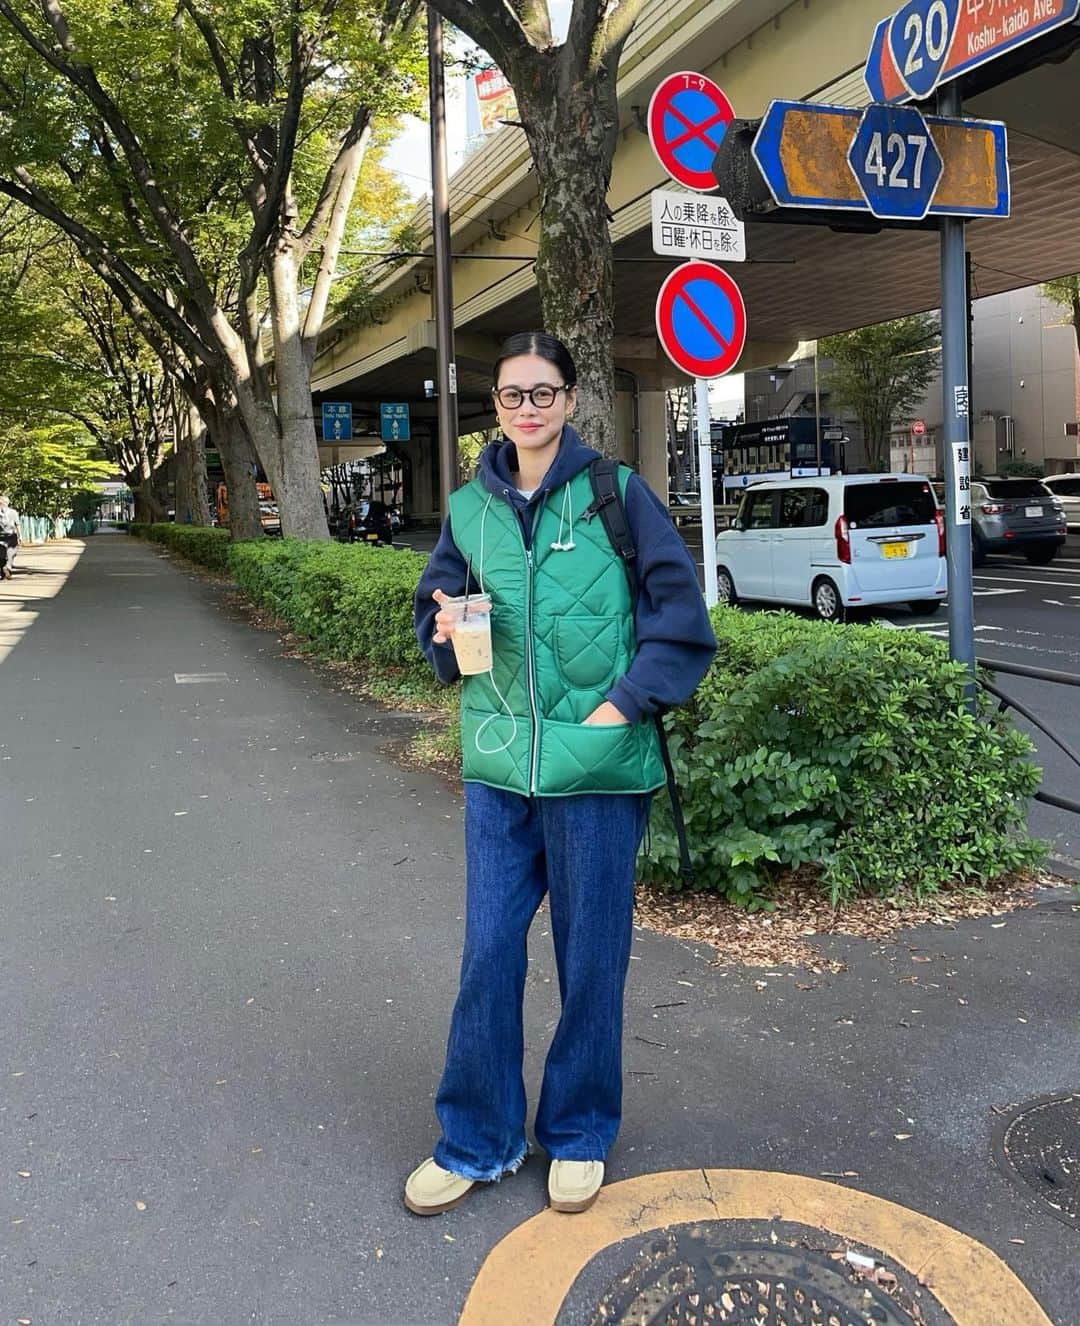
[675, 642]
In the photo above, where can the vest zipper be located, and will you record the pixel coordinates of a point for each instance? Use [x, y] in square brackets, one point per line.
[530, 662]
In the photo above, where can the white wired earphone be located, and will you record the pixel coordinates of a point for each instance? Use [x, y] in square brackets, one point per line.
[567, 505]
[497, 750]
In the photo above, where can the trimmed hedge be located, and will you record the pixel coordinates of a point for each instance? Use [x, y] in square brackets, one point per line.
[207, 545]
[848, 749]
[352, 601]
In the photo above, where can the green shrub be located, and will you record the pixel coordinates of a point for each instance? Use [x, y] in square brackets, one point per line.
[204, 544]
[844, 747]
[352, 601]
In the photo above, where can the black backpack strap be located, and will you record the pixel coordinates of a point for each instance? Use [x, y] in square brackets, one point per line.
[608, 504]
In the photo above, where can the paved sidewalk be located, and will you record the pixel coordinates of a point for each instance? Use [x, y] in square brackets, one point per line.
[229, 937]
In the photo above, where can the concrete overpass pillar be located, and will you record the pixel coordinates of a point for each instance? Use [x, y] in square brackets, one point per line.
[425, 479]
[654, 452]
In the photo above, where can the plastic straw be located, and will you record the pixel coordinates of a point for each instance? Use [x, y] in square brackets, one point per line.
[468, 574]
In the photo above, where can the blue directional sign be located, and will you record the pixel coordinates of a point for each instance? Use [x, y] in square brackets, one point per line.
[394, 421]
[896, 163]
[920, 38]
[930, 42]
[833, 158]
[337, 421]
[801, 151]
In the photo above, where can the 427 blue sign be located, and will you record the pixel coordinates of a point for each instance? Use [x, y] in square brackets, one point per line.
[896, 162]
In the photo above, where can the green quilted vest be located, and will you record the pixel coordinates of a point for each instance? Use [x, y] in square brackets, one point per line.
[562, 634]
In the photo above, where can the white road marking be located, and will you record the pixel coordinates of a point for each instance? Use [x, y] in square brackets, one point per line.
[1013, 580]
[1057, 603]
[986, 593]
[190, 678]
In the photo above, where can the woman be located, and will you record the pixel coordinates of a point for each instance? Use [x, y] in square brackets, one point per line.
[560, 759]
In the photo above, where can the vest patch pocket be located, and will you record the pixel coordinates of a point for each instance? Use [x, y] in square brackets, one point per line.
[587, 650]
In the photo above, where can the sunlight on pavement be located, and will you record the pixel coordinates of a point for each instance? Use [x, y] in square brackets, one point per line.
[41, 572]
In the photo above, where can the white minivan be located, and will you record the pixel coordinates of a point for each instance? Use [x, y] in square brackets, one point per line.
[849, 540]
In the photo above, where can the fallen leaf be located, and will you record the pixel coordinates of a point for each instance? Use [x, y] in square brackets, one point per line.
[140, 1206]
[902, 1137]
[1016, 1240]
[24, 1174]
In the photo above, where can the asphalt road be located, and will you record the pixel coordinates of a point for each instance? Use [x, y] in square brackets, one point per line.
[229, 941]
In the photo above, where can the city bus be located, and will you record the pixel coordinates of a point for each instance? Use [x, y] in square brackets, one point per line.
[785, 448]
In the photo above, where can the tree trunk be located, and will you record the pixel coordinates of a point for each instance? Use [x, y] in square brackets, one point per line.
[192, 506]
[140, 479]
[572, 137]
[240, 465]
[296, 462]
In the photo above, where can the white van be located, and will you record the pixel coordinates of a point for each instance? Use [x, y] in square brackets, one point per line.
[831, 543]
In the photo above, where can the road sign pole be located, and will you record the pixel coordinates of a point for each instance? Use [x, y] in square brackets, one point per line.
[957, 428]
[705, 469]
[442, 292]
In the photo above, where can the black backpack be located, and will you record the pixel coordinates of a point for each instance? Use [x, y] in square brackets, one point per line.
[608, 505]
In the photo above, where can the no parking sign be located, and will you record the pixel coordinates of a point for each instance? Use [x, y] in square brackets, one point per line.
[701, 320]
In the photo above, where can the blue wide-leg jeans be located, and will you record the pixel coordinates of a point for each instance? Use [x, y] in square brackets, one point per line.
[580, 851]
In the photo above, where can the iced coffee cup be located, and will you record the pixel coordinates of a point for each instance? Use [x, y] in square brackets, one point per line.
[471, 636]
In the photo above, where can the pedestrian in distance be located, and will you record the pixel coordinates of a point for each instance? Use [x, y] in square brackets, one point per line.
[560, 758]
[9, 536]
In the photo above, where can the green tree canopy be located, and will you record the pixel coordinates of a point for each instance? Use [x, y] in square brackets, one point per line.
[1065, 291]
[880, 373]
[203, 156]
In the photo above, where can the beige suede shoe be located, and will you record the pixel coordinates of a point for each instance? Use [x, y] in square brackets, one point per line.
[430, 1189]
[573, 1185]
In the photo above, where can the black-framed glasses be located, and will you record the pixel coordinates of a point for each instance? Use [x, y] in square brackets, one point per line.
[541, 396]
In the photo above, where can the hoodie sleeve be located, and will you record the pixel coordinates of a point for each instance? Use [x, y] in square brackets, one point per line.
[675, 642]
[446, 571]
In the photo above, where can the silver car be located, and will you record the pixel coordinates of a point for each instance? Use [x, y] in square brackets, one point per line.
[1015, 516]
[1066, 488]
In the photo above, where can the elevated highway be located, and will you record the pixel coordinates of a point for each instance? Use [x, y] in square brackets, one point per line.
[800, 281]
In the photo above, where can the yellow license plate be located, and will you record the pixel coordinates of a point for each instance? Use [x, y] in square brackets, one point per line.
[894, 549]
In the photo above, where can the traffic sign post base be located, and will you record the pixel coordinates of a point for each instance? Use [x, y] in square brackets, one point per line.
[708, 507]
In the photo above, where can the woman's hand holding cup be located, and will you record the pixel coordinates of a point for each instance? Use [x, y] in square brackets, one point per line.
[444, 621]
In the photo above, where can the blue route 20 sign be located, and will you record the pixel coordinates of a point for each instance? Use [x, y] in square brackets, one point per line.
[896, 163]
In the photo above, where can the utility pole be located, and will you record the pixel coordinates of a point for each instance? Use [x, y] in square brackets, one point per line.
[957, 427]
[442, 286]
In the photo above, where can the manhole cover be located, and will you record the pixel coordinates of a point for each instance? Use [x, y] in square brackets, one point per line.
[1038, 1142]
[685, 1278]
